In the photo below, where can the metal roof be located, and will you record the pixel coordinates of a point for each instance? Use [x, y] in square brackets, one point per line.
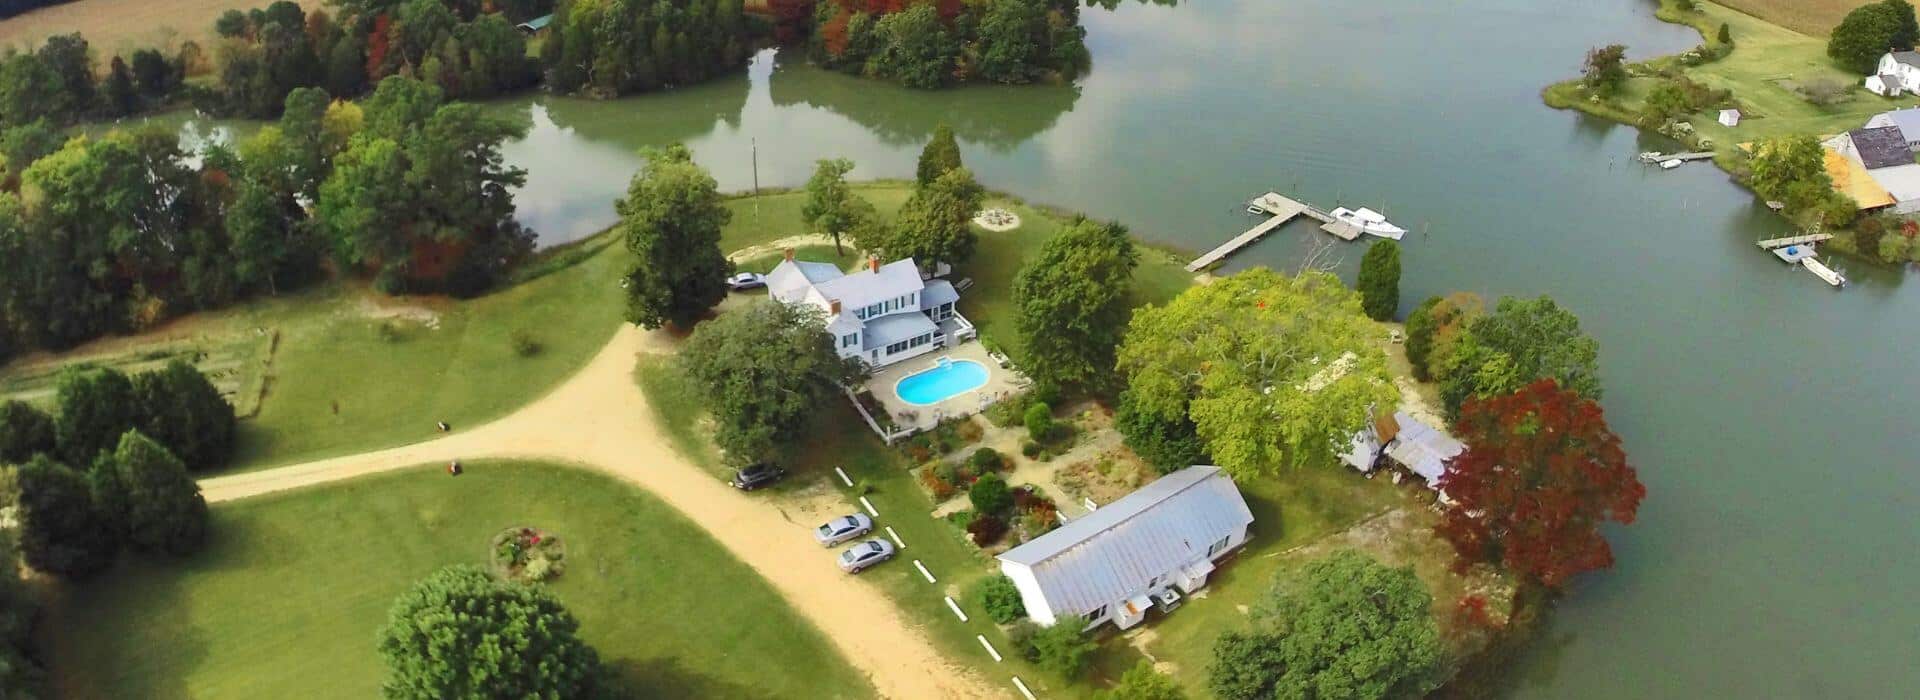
[537, 23]
[894, 328]
[938, 292]
[1111, 553]
[868, 286]
[1881, 146]
[1423, 448]
[1907, 119]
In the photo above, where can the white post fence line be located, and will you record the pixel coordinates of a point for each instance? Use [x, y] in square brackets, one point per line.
[924, 571]
[843, 476]
[896, 537]
[955, 607]
[869, 505]
[1023, 688]
[995, 653]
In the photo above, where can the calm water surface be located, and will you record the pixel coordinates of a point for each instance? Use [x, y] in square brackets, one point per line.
[1770, 416]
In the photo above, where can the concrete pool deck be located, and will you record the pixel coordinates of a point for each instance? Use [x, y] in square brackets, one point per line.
[1001, 383]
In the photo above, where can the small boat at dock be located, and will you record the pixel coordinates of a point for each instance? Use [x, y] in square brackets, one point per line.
[1671, 163]
[1827, 274]
[1368, 221]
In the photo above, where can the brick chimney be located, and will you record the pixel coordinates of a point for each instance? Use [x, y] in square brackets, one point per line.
[873, 263]
[789, 253]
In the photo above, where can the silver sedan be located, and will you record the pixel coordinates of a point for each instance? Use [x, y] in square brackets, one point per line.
[865, 554]
[841, 529]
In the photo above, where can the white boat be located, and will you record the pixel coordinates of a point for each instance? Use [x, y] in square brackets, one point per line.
[1827, 274]
[1670, 163]
[1368, 221]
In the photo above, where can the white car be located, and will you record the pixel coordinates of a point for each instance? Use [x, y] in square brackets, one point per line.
[843, 528]
[865, 554]
[746, 280]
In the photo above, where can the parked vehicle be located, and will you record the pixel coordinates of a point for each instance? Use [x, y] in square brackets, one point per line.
[843, 528]
[757, 476]
[865, 554]
[746, 280]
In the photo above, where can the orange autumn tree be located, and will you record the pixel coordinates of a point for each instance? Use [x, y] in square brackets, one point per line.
[1541, 472]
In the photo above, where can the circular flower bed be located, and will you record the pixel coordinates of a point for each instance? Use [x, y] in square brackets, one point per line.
[528, 554]
[997, 220]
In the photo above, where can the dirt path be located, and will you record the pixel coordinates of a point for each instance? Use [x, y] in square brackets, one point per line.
[777, 245]
[599, 419]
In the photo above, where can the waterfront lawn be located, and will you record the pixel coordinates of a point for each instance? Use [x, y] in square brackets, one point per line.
[1767, 62]
[350, 377]
[288, 597]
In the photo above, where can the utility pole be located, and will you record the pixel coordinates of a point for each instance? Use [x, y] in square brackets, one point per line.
[754, 143]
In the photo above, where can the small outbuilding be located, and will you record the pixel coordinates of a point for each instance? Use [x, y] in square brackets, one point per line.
[1142, 551]
[1729, 117]
[535, 25]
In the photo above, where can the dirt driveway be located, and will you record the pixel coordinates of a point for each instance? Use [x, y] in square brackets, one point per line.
[599, 419]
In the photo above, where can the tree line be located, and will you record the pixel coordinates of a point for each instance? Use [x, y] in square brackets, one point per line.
[116, 233]
[607, 48]
[928, 44]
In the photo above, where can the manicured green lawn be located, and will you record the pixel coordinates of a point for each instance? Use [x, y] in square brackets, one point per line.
[288, 598]
[344, 381]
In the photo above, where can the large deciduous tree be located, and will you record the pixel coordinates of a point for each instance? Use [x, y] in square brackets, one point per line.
[1353, 628]
[1272, 370]
[61, 530]
[936, 223]
[1071, 303]
[1379, 280]
[671, 218]
[1541, 472]
[1522, 340]
[1142, 682]
[1605, 69]
[764, 371]
[1870, 31]
[460, 633]
[25, 431]
[96, 407]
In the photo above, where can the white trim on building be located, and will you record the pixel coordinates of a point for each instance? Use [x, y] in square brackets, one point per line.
[881, 314]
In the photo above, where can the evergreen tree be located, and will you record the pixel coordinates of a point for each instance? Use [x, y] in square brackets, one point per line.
[941, 154]
[121, 98]
[96, 407]
[61, 532]
[346, 67]
[1380, 280]
[157, 503]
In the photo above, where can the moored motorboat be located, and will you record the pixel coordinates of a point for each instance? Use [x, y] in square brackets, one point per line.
[1368, 221]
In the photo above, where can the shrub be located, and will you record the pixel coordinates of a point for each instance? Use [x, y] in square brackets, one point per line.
[1000, 598]
[390, 331]
[1063, 649]
[863, 487]
[1030, 448]
[986, 460]
[1726, 34]
[990, 495]
[1037, 522]
[941, 489]
[986, 529]
[1039, 420]
[1021, 635]
[524, 343]
[1143, 683]
[968, 431]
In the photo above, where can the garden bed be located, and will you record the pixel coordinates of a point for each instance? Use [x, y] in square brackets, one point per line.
[527, 555]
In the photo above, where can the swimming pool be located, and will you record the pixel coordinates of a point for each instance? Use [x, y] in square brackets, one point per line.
[944, 381]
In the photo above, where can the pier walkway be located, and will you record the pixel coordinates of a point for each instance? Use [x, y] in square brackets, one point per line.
[1807, 239]
[1283, 209]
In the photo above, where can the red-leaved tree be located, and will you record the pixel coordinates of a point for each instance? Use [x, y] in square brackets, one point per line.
[1541, 472]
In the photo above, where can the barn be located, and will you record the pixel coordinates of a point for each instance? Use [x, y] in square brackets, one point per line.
[1142, 551]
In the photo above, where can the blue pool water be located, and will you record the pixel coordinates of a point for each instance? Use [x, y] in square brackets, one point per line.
[942, 382]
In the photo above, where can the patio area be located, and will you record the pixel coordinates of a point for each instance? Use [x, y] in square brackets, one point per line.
[907, 416]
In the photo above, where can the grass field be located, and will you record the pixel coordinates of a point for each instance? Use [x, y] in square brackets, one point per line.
[237, 363]
[120, 26]
[289, 596]
[1814, 17]
[1767, 62]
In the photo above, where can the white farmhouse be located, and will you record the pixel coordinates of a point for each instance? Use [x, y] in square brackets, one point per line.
[1113, 564]
[1898, 72]
[881, 314]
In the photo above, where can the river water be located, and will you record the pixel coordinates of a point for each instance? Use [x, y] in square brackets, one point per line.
[1778, 551]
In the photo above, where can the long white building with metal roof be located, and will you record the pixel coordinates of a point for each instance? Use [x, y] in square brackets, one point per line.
[1136, 553]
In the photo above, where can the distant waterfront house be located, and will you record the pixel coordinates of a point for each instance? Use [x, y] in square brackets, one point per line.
[1729, 117]
[1113, 564]
[1882, 152]
[882, 314]
[1899, 71]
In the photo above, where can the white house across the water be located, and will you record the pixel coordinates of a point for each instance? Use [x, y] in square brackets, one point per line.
[1898, 72]
[881, 314]
[1142, 551]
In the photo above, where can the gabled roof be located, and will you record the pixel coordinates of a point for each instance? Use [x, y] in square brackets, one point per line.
[1111, 553]
[894, 328]
[1907, 119]
[870, 286]
[1881, 146]
[938, 292]
[1423, 448]
[1910, 58]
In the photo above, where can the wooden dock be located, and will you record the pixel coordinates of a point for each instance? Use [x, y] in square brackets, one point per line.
[1808, 239]
[1282, 209]
[1662, 157]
